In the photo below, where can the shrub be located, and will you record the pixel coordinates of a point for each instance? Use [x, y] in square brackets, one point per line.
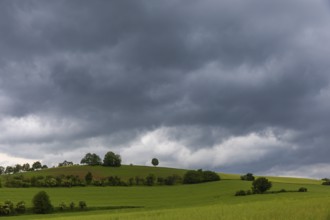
[41, 203]
[302, 189]
[209, 176]
[193, 176]
[20, 207]
[150, 180]
[89, 178]
[172, 180]
[82, 205]
[261, 185]
[199, 176]
[7, 208]
[72, 205]
[240, 193]
[248, 177]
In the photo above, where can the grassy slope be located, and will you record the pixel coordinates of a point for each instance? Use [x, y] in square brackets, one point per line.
[201, 201]
[124, 172]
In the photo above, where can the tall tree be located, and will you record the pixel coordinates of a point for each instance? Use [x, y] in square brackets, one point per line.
[155, 161]
[111, 159]
[36, 165]
[91, 159]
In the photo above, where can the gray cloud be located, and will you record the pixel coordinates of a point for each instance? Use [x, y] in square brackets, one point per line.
[192, 77]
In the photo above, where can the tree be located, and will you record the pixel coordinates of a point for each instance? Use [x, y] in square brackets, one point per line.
[154, 161]
[111, 159]
[89, 178]
[2, 170]
[17, 168]
[41, 203]
[150, 180]
[26, 167]
[261, 185]
[200, 176]
[9, 169]
[193, 176]
[248, 177]
[36, 165]
[91, 159]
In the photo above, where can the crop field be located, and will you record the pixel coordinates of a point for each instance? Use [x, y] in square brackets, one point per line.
[214, 200]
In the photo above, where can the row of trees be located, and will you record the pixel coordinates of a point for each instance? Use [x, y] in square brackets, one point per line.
[73, 180]
[190, 177]
[22, 168]
[41, 205]
[110, 159]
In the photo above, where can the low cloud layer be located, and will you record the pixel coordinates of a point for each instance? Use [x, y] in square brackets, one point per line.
[232, 86]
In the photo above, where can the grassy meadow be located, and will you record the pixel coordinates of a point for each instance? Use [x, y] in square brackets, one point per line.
[214, 200]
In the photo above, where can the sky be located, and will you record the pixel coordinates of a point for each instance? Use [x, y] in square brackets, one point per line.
[229, 85]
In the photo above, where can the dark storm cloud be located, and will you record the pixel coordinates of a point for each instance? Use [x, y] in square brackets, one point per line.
[200, 73]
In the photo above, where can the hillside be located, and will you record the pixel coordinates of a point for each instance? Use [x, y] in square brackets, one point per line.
[124, 171]
[196, 201]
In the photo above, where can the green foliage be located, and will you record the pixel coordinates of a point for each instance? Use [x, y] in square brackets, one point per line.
[111, 159]
[248, 177]
[302, 189]
[154, 161]
[20, 207]
[261, 185]
[72, 205]
[209, 176]
[7, 208]
[240, 193]
[91, 159]
[41, 203]
[199, 176]
[150, 180]
[36, 165]
[193, 176]
[82, 205]
[89, 178]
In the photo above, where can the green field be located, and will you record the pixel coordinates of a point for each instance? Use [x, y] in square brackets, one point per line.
[214, 200]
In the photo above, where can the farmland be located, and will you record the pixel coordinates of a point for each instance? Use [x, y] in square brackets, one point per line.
[214, 200]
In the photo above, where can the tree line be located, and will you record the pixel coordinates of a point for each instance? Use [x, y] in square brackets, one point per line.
[41, 204]
[20, 168]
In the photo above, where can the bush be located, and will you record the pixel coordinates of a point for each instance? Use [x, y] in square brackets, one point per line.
[172, 180]
[209, 176]
[302, 189]
[20, 207]
[261, 185]
[240, 193]
[41, 203]
[193, 176]
[150, 180]
[89, 178]
[82, 205]
[199, 176]
[7, 208]
[248, 177]
[72, 205]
